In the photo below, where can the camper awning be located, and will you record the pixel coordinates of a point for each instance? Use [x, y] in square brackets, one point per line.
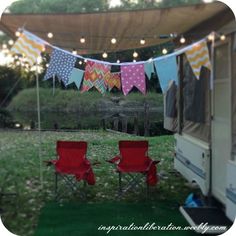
[128, 27]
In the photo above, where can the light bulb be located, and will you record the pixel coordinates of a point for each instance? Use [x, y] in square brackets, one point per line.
[134, 60]
[80, 62]
[18, 33]
[104, 55]
[10, 42]
[211, 37]
[82, 39]
[135, 54]
[4, 46]
[222, 37]
[142, 41]
[182, 39]
[164, 51]
[50, 35]
[74, 52]
[118, 61]
[113, 40]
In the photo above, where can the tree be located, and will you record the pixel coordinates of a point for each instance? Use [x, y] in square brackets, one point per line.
[58, 6]
[72, 6]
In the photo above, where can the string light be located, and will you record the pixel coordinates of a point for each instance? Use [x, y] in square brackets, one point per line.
[182, 39]
[135, 54]
[50, 35]
[47, 65]
[134, 60]
[74, 52]
[82, 39]
[17, 33]
[222, 37]
[211, 37]
[80, 62]
[10, 42]
[85, 60]
[142, 41]
[104, 55]
[164, 51]
[4, 46]
[113, 40]
[118, 61]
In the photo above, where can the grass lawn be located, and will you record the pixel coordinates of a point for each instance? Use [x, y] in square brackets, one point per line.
[19, 173]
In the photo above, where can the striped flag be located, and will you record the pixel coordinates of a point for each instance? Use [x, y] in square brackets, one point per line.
[198, 56]
[29, 46]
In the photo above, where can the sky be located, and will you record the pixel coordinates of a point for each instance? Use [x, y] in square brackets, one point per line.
[114, 3]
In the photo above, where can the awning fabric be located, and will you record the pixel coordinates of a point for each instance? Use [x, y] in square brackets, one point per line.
[128, 27]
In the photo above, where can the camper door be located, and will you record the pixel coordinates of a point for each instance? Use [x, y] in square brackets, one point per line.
[221, 118]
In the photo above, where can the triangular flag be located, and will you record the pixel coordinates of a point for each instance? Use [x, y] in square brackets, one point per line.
[167, 72]
[29, 46]
[113, 80]
[61, 65]
[149, 68]
[76, 77]
[198, 56]
[95, 74]
[133, 75]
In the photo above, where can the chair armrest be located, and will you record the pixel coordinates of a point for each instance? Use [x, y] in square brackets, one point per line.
[114, 160]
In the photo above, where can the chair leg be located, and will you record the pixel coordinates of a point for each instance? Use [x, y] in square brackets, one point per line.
[56, 186]
[120, 188]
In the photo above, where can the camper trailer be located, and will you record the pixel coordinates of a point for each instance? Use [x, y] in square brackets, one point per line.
[205, 129]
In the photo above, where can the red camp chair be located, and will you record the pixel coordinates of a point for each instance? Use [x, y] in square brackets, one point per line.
[72, 165]
[132, 161]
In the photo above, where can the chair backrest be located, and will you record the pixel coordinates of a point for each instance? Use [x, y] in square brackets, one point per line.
[71, 153]
[133, 153]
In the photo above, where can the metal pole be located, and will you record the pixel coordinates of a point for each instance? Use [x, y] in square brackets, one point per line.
[39, 127]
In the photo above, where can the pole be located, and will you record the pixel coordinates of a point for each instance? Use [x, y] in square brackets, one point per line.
[39, 127]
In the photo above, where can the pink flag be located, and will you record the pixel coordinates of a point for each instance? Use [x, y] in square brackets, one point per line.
[133, 75]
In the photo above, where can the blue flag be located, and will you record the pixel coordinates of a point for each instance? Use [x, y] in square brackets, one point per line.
[61, 65]
[149, 68]
[76, 77]
[167, 71]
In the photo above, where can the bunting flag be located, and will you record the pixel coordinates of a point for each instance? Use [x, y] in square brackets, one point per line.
[113, 80]
[29, 46]
[198, 56]
[61, 65]
[95, 74]
[76, 77]
[167, 72]
[149, 69]
[133, 75]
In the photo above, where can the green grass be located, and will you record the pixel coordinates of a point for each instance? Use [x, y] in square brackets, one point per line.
[20, 173]
[96, 218]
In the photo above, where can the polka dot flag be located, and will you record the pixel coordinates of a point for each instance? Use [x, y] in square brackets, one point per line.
[61, 65]
[133, 75]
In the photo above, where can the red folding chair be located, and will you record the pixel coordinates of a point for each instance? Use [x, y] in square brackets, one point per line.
[72, 165]
[132, 161]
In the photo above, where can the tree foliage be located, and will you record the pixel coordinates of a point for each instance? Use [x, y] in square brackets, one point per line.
[72, 6]
[58, 6]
